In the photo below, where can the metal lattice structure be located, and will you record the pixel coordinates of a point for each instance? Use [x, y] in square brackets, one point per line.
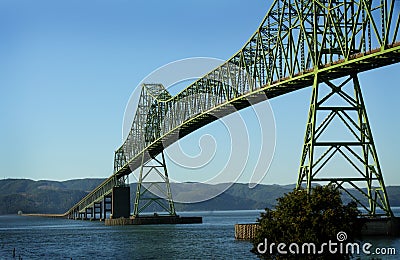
[357, 149]
[300, 43]
[155, 192]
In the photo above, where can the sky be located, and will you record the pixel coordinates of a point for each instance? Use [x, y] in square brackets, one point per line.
[68, 69]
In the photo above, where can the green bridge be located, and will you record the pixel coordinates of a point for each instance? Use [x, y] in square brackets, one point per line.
[299, 44]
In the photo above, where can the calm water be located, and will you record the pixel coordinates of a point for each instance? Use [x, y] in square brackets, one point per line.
[41, 238]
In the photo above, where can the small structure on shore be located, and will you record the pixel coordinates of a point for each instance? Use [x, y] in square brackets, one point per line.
[245, 231]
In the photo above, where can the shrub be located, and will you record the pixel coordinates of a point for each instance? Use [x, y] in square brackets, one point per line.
[301, 218]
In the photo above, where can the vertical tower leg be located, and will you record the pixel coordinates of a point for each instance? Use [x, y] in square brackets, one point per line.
[153, 188]
[350, 163]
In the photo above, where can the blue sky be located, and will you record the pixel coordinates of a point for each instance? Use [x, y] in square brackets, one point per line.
[68, 68]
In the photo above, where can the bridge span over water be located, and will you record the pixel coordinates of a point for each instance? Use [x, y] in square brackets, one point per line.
[299, 44]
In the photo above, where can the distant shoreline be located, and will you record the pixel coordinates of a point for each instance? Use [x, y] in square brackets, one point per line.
[54, 197]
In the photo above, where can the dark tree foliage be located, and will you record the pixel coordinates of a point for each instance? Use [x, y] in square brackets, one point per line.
[301, 218]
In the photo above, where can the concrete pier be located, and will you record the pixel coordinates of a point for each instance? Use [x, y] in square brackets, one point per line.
[120, 203]
[153, 220]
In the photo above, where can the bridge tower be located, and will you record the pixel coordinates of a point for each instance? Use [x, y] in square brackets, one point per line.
[153, 187]
[338, 127]
[153, 190]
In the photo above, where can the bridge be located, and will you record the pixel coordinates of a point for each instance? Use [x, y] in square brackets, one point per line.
[322, 44]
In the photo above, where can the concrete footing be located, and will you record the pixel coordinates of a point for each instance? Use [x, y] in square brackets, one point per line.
[380, 226]
[153, 220]
[370, 227]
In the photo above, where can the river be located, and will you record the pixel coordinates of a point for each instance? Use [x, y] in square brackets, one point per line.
[44, 238]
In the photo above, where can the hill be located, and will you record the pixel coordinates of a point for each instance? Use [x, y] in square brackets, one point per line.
[57, 197]
[42, 196]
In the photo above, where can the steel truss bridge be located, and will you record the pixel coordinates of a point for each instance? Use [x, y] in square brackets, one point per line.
[323, 44]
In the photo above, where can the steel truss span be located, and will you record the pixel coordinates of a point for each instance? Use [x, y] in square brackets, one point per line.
[300, 43]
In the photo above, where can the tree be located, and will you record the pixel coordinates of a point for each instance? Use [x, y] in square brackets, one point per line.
[301, 220]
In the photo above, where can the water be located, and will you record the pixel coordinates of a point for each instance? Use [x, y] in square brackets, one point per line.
[42, 238]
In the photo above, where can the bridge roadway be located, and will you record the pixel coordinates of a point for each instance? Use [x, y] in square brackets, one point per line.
[283, 79]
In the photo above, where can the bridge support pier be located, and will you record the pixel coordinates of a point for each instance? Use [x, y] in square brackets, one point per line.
[121, 207]
[88, 211]
[356, 169]
[97, 210]
[107, 207]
